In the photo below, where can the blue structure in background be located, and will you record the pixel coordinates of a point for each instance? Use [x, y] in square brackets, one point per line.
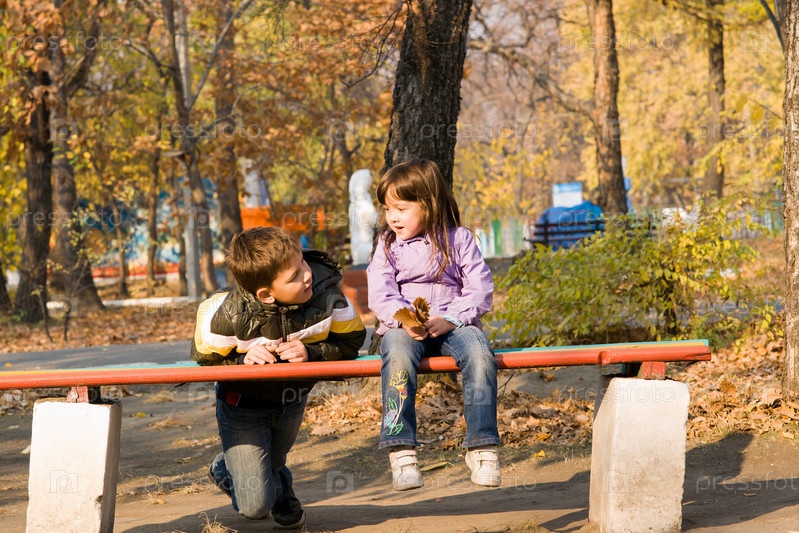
[562, 227]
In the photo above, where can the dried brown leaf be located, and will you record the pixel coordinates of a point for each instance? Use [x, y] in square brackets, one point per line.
[769, 397]
[407, 317]
[435, 466]
[422, 309]
[416, 316]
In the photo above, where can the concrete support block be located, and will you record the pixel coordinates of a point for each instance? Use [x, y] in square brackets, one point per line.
[74, 462]
[638, 456]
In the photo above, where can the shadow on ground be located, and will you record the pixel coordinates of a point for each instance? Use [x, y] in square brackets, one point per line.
[739, 479]
[740, 483]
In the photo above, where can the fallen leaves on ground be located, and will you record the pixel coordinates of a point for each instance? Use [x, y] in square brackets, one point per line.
[341, 413]
[739, 390]
[124, 325]
[523, 419]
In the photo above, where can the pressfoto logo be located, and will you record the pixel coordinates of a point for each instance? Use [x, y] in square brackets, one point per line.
[479, 395]
[631, 41]
[615, 483]
[202, 392]
[339, 482]
[754, 42]
[616, 130]
[62, 481]
[64, 130]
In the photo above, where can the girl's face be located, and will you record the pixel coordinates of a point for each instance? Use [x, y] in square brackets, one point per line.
[404, 217]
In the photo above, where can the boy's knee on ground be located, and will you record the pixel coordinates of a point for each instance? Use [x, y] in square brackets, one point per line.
[255, 510]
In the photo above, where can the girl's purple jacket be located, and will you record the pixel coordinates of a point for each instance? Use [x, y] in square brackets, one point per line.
[463, 290]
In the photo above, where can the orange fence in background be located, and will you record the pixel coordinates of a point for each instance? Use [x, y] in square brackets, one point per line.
[292, 218]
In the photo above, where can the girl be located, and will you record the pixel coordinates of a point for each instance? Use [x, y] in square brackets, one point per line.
[423, 251]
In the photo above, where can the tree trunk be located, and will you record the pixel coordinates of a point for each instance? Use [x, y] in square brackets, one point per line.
[790, 179]
[178, 231]
[714, 175]
[338, 137]
[201, 214]
[183, 288]
[176, 25]
[74, 266]
[36, 220]
[5, 299]
[152, 218]
[779, 14]
[227, 171]
[121, 242]
[609, 130]
[427, 87]
[777, 18]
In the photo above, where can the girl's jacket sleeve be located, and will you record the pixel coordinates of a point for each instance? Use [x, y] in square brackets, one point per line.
[384, 294]
[478, 285]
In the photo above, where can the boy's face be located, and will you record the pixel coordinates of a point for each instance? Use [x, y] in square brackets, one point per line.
[292, 286]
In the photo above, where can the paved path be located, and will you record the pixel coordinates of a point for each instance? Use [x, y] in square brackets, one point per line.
[153, 352]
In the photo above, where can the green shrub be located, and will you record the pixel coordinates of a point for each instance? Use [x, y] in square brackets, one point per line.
[641, 280]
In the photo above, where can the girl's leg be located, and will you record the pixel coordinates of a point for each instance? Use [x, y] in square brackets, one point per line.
[401, 356]
[478, 367]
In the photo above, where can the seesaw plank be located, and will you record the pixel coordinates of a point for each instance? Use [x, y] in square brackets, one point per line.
[670, 351]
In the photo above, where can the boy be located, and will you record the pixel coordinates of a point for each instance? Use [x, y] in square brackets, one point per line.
[286, 307]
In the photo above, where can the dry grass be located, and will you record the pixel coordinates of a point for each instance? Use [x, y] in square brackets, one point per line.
[529, 526]
[162, 396]
[170, 422]
[215, 526]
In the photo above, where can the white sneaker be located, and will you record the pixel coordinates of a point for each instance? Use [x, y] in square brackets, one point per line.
[484, 464]
[405, 474]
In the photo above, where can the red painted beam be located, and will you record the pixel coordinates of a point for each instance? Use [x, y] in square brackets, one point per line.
[513, 359]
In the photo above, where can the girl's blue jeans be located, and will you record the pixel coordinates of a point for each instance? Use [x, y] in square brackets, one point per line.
[256, 443]
[401, 356]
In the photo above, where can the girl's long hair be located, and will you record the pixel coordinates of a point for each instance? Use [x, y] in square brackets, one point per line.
[420, 180]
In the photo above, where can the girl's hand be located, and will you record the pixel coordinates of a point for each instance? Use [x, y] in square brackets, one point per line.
[438, 326]
[292, 351]
[260, 355]
[419, 333]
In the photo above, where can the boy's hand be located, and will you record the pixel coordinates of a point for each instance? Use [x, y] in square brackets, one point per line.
[260, 355]
[438, 326]
[292, 351]
[417, 333]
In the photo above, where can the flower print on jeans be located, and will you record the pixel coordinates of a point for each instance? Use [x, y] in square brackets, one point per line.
[398, 386]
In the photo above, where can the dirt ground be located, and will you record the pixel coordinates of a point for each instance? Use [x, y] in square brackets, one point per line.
[738, 483]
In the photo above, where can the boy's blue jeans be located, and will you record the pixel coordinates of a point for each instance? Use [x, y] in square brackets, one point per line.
[256, 443]
[401, 357]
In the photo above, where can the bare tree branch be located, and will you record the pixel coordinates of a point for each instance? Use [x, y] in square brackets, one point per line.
[211, 60]
[698, 11]
[82, 72]
[146, 51]
[513, 57]
[382, 44]
[774, 22]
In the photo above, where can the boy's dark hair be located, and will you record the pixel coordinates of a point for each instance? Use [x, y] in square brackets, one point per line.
[256, 256]
[420, 180]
